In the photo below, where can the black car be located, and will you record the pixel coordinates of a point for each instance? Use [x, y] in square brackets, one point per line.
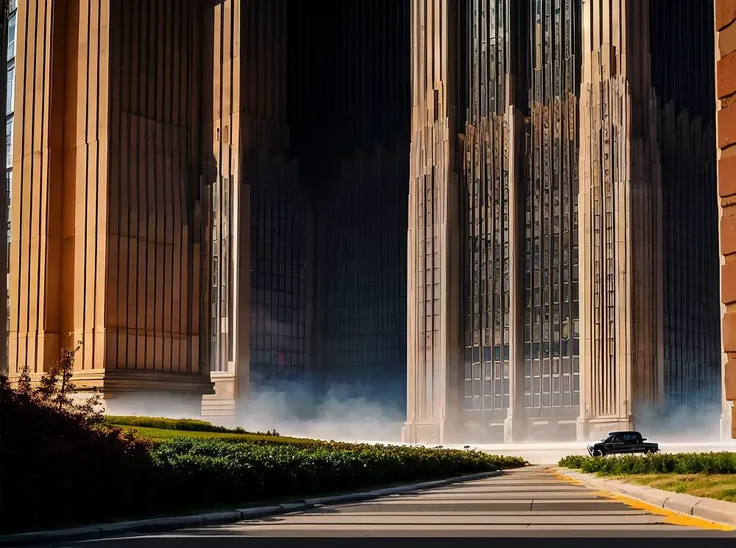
[620, 443]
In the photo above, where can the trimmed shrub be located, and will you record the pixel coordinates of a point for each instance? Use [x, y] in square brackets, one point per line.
[215, 470]
[62, 464]
[660, 463]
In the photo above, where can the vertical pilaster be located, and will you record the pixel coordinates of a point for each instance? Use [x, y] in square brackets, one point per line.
[433, 235]
[35, 252]
[227, 230]
[4, 369]
[620, 208]
[105, 249]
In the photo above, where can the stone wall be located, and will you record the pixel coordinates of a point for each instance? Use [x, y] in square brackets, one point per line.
[725, 19]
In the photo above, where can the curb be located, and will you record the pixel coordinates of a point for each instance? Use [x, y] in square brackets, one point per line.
[718, 511]
[224, 517]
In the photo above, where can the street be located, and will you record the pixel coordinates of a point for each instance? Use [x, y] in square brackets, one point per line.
[530, 502]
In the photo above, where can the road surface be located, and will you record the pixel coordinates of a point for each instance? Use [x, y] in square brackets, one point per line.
[531, 502]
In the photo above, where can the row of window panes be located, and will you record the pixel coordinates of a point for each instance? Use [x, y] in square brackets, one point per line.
[363, 342]
[379, 326]
[495, 370]
[551, 384]
[370, 358]
[474, 403]
[360, 307]
[556, 399]
[486, 387]
[551, 366]
[262, 341]
[9, 142]
[12, 32]
[473, 353]
[559, 348]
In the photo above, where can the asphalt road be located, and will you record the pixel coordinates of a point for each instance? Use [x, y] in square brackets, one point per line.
[531, 502]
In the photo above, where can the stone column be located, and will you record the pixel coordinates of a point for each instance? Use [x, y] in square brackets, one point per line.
[433, 236]
[105, 247]
[725, 22]
[620, 220]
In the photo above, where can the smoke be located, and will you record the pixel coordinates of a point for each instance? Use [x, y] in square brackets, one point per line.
[348, 412]
[154, 404]
[367, 411]
[681, 424]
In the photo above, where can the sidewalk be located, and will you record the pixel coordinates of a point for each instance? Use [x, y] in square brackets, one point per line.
[718, 511]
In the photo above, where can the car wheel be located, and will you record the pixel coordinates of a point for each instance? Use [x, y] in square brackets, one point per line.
[597, 453]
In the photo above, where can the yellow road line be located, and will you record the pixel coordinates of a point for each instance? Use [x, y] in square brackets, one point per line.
[671, 517]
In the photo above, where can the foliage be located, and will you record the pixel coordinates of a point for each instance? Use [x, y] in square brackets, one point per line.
[210, 469]
[660, 463]
[64, 464]
[188, 425]
[58, 463]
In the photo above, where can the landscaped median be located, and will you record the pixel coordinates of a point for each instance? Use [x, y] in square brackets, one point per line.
[697, 484]
[63, 465]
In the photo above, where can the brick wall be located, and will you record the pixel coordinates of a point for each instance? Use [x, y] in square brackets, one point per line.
[725, 18]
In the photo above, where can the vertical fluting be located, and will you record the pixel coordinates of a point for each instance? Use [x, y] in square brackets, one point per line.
[620, 214]
[433, 238]
[551, 249]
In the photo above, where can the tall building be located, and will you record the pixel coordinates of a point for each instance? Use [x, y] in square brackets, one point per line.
[214, 197]
[569, 200]
[725, 24]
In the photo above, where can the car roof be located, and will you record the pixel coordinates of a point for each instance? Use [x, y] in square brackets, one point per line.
[624, 432]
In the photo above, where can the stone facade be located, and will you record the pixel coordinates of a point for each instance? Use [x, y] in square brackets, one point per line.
[725, 21]
[548, 145]
[196, 185]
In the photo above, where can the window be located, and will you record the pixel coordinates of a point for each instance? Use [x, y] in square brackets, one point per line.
[9, 143]
[10, 91]
[11, 36]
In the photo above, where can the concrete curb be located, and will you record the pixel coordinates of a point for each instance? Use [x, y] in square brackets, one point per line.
[718, 511]
[223, 517]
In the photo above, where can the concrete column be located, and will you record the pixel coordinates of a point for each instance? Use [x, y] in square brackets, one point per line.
[620, 220]
[104, 248]
[515, 425]
[433, 236]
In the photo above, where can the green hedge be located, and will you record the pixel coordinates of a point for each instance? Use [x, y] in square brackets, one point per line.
[660, 463]
[85, 472]
[210, 470]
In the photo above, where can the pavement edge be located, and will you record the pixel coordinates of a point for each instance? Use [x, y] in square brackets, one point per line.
[224, 517]
[716, 513]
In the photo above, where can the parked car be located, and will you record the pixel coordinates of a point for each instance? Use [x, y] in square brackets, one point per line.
[621, 443]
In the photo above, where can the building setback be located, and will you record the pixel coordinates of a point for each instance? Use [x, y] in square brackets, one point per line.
[213, 196]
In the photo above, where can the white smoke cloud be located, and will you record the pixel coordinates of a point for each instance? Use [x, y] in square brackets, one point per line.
[341, 413]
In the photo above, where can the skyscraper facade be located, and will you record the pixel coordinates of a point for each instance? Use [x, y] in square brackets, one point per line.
[214, 196]
[563, 173]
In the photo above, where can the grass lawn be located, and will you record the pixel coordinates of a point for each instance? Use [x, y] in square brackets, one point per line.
[714, 486]
[162, 434]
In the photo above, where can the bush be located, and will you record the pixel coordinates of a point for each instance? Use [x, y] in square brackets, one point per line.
[63, 464]
[207, 471]
[58, 463]
[659, 463]
[187, 425]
